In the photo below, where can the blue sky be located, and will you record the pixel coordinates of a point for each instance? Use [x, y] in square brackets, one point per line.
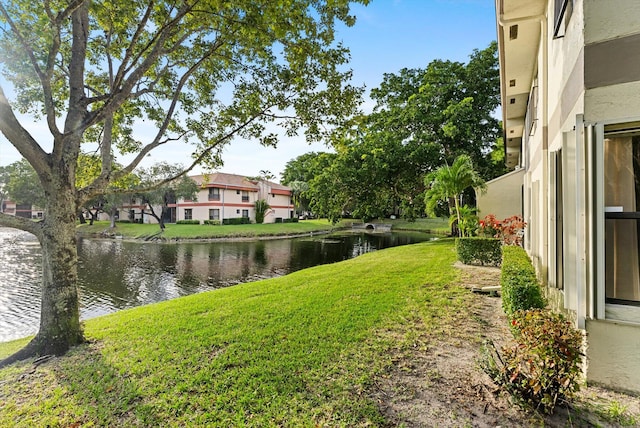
[389, 35]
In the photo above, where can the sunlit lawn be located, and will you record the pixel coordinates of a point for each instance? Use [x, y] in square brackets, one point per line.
[298, 350]
[434, 225]
[202, 231]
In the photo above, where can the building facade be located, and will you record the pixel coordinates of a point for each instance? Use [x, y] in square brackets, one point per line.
[570, 85]
[21, 210]
[222, 196]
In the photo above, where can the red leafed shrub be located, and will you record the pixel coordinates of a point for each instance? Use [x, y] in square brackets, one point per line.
[543, 368]
[510, 230]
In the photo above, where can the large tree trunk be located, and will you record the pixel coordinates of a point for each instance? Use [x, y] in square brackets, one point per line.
[60, 326]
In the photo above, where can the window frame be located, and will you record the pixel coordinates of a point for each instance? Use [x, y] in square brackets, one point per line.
[214, 194]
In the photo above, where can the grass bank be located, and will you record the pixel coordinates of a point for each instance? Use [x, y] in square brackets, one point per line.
[201, 231]
[299, 350]
[431, 225]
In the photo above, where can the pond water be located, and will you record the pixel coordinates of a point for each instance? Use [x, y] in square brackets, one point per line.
[115, 274]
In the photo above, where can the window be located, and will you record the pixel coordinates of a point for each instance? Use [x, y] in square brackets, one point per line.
[188, 214]
[562, 13]
[237, 211]
[622, 218]
[214, 193]
[245, 213]
[214, 214]
[245, 196]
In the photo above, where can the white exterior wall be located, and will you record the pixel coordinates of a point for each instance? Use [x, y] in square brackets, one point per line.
[230, 204]
[571, 121]
[503, 197]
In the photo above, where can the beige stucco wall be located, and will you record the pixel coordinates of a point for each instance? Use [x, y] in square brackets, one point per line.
[614, 102]
[613, 354]
[503, 197]
[605, 20]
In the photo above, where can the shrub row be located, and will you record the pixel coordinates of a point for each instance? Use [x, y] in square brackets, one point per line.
[520, 287]
[286, 220]
[479, 251]
[212, 222]
[237, 220]
[188, 222]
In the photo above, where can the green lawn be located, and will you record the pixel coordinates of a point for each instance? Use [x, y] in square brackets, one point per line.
[299, 350]
[433, 225]
[202, 231]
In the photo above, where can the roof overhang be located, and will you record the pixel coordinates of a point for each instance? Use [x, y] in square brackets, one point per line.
[519, 28]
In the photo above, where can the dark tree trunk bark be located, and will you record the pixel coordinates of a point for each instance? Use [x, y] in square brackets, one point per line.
[60, 327]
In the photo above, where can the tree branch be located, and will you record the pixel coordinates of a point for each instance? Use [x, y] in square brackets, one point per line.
[22, 223]
[45, 78]
[20, 137]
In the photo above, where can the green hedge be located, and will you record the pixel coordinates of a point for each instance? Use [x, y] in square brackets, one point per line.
[290, 220]
[479, 251]
[236, 220]
[520, 287]
[212, 222]
[188, 222]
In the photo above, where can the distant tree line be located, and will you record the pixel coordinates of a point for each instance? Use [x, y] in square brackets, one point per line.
[423, 119]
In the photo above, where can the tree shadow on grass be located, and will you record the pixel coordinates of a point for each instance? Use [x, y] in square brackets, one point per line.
[75, 390]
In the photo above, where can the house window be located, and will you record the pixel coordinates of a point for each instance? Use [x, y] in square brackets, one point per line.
[622, 218]
[245, 213]
[245, 196]
[562, 13]
[214, 193]
[188, 214]
[237, 211]
[214, 214]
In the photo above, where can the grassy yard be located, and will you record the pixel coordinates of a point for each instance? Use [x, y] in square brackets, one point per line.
[299, 350]
[201, 231]
[433, 225]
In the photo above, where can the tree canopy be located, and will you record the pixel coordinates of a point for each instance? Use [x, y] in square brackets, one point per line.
[159, 192]
[423, 118]
[196, 72]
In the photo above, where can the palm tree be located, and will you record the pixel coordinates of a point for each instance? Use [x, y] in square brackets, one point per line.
[261, 207]
[449, 182]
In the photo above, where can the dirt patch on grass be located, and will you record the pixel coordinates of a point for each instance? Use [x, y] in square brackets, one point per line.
[442, 385]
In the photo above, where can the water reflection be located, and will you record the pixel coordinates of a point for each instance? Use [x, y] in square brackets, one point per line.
[114, 274]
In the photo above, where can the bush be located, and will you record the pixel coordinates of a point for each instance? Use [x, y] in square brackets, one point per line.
[510, 230]
[290, 220]
[236, 220]
[123, 221]
[543, 367]
[520, 287]
[188, 222]
[479, 251]
[278, 219]
[212, 222]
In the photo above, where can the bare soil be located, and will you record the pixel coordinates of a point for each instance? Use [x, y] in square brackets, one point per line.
[442, 385]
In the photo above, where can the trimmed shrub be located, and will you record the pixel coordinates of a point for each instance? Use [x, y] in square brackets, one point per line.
[188, 222]
[479, 251]
[236, 220]
[290, 220]
[543, 367]
[278, 219]
[520, 287]
[212, 222]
